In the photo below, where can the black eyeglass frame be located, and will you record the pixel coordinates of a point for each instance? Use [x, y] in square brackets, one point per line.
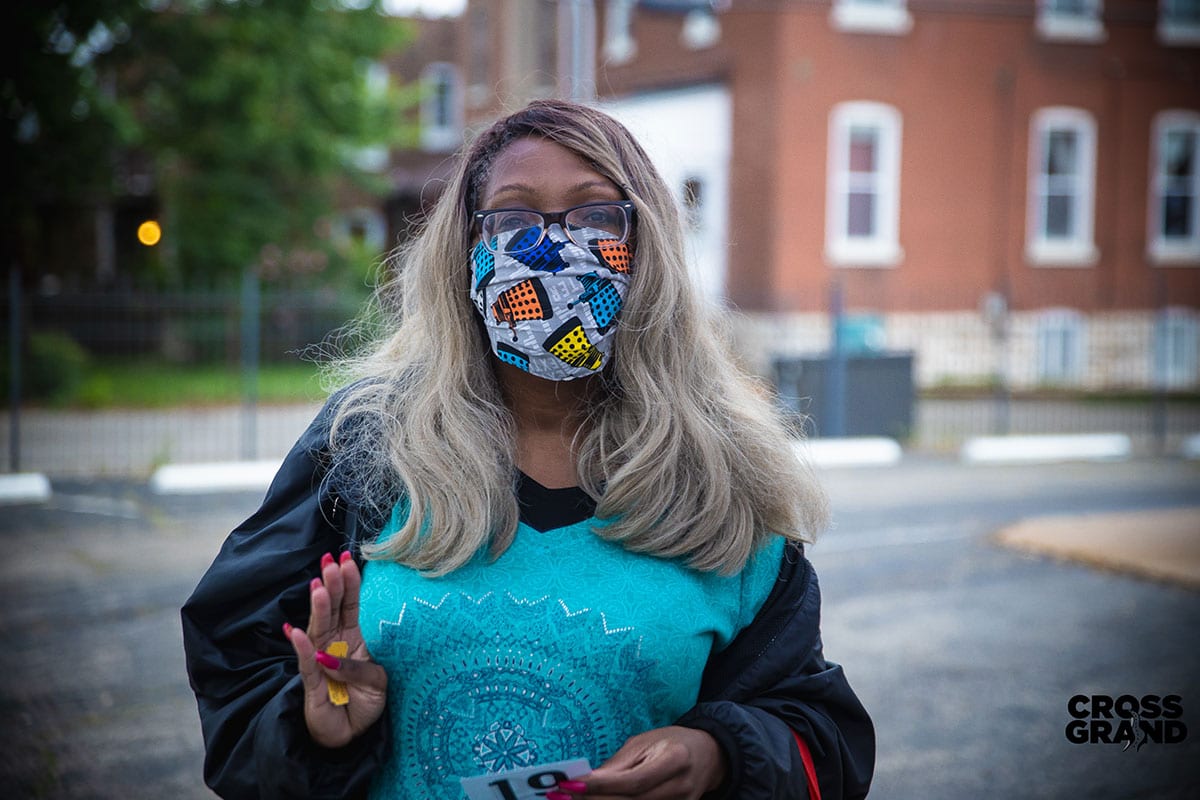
[549, 218]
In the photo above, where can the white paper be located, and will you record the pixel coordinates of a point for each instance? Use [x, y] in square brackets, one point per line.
[526, 783]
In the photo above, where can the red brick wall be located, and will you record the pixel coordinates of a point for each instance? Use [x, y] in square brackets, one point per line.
[966, 85]
[754, 180]
[966, 80]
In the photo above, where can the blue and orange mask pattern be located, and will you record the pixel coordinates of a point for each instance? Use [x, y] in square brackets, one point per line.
[551, 311]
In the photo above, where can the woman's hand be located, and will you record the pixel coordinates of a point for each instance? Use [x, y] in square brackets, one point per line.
[672, 763]
[333, 617]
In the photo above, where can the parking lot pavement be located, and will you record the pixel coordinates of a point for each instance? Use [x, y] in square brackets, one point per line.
[95, 700]
[966, 653]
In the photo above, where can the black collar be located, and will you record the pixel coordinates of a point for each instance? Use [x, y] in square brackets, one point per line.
[546, 509]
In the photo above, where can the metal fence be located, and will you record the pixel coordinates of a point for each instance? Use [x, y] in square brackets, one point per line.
[934, 378]
[241, 330]
[208, 326]
[232, 334]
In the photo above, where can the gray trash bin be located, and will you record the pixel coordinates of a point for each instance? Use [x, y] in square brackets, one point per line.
[880, 393]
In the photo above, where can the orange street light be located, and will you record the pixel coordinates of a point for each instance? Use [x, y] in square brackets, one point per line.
[149, 233]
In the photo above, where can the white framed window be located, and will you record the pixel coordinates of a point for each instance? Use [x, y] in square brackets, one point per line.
[862, 206]
[1071, 20]
[1061, 347]
[1179, 22]
[1176, 340]
[1062, 183]
[441, 107]
[1174, 220]
[871, 16]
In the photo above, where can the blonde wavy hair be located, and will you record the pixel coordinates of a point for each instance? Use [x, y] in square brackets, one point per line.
[684, 454]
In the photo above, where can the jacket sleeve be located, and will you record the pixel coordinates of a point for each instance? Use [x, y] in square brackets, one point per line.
[773, 682]
[242, 669]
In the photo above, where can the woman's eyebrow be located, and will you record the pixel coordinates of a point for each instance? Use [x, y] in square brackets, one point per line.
[601, 183]
[579, 188]
[512, 188]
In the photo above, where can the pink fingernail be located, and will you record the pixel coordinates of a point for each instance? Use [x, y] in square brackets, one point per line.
[345, 557]
[573, 786]
[314, 584]
[287, 630]
[326, 660]
[558, 796]
[326, 560]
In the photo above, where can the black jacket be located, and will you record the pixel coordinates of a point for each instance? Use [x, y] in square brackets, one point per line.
[772, 679]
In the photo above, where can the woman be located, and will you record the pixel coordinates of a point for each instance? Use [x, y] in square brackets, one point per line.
[569, 528]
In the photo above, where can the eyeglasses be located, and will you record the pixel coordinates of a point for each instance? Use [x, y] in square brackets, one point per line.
[525, 229]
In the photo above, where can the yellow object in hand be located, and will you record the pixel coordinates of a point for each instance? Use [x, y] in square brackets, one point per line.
[337, 690]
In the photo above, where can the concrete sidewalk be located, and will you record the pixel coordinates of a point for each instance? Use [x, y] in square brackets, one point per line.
[134, 442]
[1163, 544]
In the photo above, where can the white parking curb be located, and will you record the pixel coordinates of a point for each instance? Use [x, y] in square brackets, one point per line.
[1045, 449]
[214, 477]
[24, 487]
[864, 451]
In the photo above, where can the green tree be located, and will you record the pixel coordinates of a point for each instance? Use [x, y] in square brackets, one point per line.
[61, 124]
[253, 114]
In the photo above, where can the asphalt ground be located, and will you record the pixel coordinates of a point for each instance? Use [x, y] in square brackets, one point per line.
[966, 652]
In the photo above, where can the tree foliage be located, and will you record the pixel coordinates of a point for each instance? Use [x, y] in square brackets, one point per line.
[252, 116]
[61, 126]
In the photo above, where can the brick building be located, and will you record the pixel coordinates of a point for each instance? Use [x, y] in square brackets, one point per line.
[1005, 187]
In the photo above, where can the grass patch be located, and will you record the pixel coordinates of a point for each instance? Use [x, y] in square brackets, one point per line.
[160, 384]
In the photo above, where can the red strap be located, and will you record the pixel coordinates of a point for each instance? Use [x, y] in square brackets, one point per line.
[810, 771]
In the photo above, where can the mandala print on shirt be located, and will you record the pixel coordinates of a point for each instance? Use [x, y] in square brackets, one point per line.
[497, 683]
[505, 747]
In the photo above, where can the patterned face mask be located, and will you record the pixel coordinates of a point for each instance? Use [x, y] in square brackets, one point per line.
[552, 311]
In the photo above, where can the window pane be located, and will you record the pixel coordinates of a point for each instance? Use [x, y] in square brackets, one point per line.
[1059, 216]
[443, 112]
[1057, 351]
[1179, 152]
[1074, 8]
[1062, 348]
[863, 142]
[1175, 341]
[1061, 152]
[860, 214]
[1177, 217]
[1055, 354]
[1183, 12]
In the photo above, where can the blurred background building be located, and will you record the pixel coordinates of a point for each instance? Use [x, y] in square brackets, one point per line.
[1007, 188]
[927, 219]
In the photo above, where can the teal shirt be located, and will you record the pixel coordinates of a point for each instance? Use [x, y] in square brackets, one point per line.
[564, 647]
